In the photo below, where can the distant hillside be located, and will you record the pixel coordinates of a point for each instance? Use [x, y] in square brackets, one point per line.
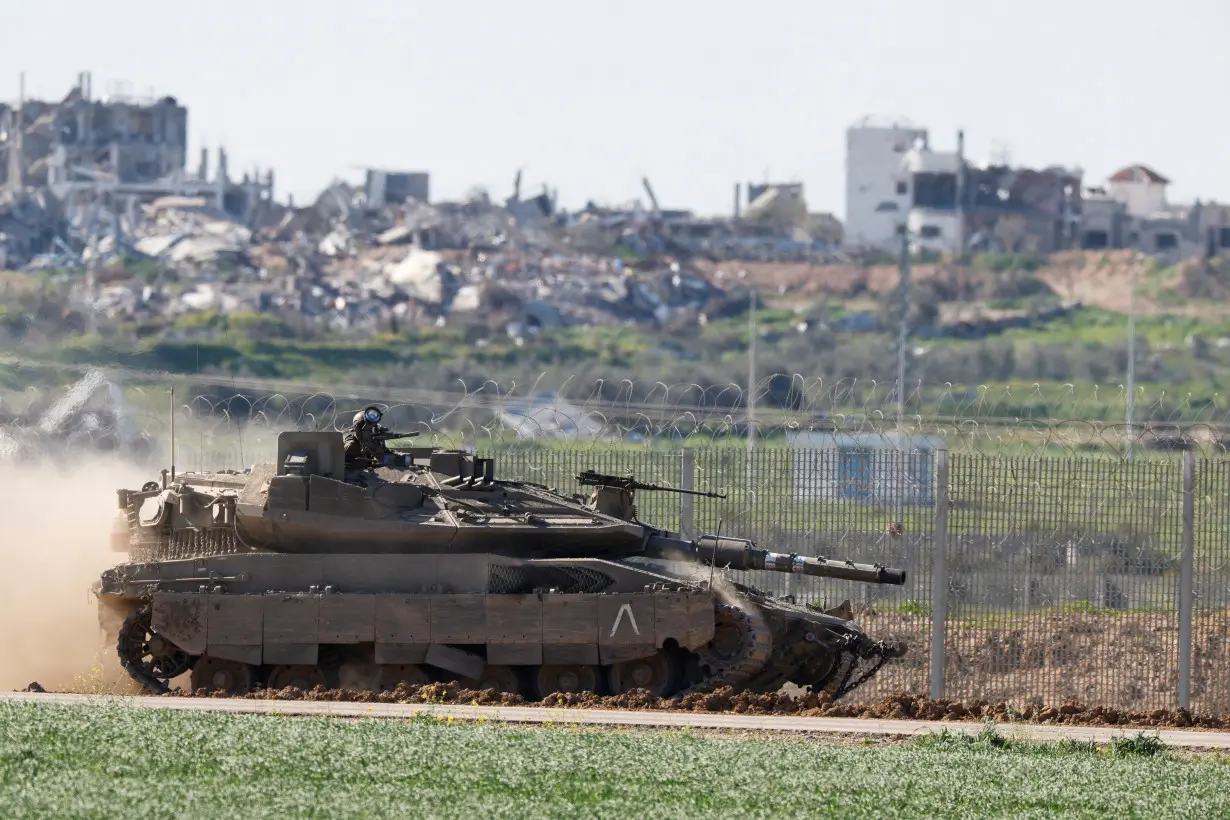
[1098, 279]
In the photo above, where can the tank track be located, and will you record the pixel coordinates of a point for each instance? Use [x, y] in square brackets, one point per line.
[842, 681]
[755, 651]
[138, 619]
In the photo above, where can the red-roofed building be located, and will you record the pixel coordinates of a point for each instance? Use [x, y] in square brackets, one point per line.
[1141, 189]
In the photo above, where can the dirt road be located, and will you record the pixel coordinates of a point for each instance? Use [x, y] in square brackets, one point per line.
[611, 717]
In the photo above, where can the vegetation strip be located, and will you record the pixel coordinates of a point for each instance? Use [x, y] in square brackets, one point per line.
[103, 762]
[546, 713]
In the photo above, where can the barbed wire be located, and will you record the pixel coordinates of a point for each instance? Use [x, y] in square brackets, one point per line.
[784, 410]
[1056, 545]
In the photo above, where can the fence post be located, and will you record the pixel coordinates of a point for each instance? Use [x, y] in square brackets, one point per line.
[1185, 580]
[687, 503]
[939, 575]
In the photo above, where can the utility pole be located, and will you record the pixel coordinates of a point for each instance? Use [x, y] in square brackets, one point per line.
[959, 239]
[1131, 362]
[17, 158]
[958, 243]
[903, 329]
[903, 333]
[751, 369]
[751, 392]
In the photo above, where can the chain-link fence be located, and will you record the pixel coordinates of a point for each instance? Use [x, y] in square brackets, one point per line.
[1030, 579]
[1048, 559]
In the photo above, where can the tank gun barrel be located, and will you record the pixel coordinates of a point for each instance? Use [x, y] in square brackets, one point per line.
[597, 479]
[741, 554]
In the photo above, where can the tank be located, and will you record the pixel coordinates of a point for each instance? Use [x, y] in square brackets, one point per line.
[357, 561]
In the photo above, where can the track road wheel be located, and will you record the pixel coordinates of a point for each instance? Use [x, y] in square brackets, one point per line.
[394, 675]
[225, 677]
[566, 678]
[728, 641]
[357, 676]
[655, 673]
[299, 676]
[500, 678]
[148, 657]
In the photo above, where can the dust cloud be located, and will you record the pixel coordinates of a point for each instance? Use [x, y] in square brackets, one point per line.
[55, 525]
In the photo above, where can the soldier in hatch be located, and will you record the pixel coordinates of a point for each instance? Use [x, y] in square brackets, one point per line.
[363, 440]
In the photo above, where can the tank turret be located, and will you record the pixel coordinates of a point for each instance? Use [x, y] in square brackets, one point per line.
[347, 562]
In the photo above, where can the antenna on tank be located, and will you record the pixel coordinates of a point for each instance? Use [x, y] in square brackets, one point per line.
[172, 432]
[713, 560]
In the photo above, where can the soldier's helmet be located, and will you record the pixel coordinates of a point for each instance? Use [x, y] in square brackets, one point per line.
[371, 415]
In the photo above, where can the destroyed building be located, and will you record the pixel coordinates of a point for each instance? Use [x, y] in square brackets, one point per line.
[1132, 211]
[128, 140]
[80, 168]
[1104, 220]
[990, 207]
[897, 184]
[396, 187]
[1021, 210]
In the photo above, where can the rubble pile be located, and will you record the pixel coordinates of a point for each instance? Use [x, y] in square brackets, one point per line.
[352, 267]
[28, 221]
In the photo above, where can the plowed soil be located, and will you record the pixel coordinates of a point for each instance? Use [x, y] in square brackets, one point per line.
[893, 707]
[1128, 659]
[1100, 279]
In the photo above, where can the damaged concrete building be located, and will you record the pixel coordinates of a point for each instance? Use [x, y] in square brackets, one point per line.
[897, 183]
[396, 187]
[991, 207]
[1132, 210]
[773, 225]
[79, 137]
[81, 167]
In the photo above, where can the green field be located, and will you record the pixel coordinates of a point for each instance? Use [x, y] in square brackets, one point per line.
[114, 762]
[1022, 373]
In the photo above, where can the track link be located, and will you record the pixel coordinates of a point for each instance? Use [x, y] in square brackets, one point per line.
[754, 652]
[132, 633]
[841, 681]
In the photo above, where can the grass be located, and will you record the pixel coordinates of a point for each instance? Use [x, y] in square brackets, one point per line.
[1092, 325]
[114, 762]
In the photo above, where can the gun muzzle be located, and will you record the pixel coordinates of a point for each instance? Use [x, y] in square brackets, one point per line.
[739, 553]
[829, 568]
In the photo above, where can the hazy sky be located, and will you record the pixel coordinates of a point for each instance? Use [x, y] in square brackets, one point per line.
[589, 96]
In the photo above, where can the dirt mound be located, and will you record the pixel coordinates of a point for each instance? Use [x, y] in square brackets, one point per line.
[1204, 279]
[1099, 279]
[726, 700]
[803, 279]
[1126, 659]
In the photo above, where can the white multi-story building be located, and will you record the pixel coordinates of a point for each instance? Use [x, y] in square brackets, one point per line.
[1140, 188]
[933, 220]
[877, 182]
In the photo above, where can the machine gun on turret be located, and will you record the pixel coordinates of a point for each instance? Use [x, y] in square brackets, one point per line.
[384, 435]
[628, 483]
[368, 448]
